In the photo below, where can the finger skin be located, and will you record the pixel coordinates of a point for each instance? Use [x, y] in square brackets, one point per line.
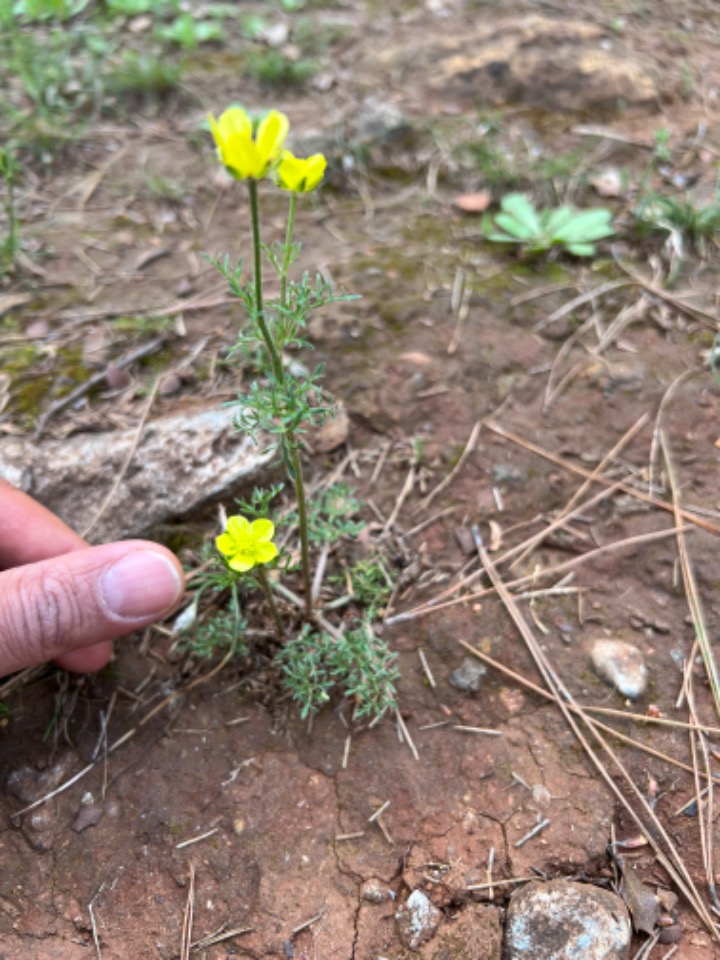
[53, 608]
[29, 532]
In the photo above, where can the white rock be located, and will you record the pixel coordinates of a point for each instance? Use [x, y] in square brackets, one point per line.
[621, 665]
[564, 920]
[417, 920]
[180, 462]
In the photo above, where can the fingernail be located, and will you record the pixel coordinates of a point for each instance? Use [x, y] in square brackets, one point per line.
[141, 585]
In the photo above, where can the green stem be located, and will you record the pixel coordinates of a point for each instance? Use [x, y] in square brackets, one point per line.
[267, 589]
[288, 248]
[289, 440]
[275, 358]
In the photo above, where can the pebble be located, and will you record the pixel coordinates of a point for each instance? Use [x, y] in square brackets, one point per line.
[373, 891]
[564, 920]
[621, 665]
[468, 676]
[417, 920]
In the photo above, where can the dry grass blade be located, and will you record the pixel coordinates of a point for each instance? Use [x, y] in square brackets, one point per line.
[576, 302]
[571, 509]
[187, 924]
[126, 462]
[691, 591]
[531, 579]
[469, 447]
[653, 829]
[704, 816]
[529, 685]
[581, 471]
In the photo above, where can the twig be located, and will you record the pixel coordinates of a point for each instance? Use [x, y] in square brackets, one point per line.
[426, 668]
[469, 447]
[547, 572]
[404, 494]
[654, 834]
[529, 685]
[499, 883]
[192, 840]
[484, 730]
[580, 301]
[110, 496]
[533, 833]
[406, 734]
[568, 511]
[211, 939]
[461, 313]
[93, 924]
[581, 471]
[187, 923]
[690, 586]
[662, 294]
[93, 381]
[379, 812]
[308, 923]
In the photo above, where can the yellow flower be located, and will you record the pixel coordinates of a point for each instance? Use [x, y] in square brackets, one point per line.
[249, 151]
[244, 545]
[298, 175]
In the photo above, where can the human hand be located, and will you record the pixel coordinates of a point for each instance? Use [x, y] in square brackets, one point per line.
[63, 600]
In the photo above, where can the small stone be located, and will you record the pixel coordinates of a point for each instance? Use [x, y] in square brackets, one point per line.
[465, 541]
[373, 891]
[508, 474]
[417, 920]
[468, 676]
[621, 665]
[89, 815]
[564, 920]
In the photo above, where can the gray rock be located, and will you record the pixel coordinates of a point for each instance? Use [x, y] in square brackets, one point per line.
[417, 920]
[468, 676]
[560, 65]
[181, 462]
[564, 920]
[621, 665]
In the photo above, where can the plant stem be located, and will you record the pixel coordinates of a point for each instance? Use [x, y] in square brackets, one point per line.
[289, 440]
[267, 590]
[275, 358]
[288, 248]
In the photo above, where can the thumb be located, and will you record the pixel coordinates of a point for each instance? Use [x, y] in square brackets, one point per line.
[50, 608]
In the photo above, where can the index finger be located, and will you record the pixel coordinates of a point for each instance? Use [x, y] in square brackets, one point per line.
[29, 532]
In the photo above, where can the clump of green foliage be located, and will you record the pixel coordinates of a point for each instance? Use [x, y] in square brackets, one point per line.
[565, 229]
[359, 665]
[687, 222]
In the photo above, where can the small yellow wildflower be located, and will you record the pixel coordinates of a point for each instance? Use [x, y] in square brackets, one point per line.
[300, 176]
[245, 545]
[248, 151]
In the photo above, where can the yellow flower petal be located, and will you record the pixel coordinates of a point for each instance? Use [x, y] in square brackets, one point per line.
[264, 552]
[245, 544]
[271, 133]
[300, 176]
[241, 564]
[246, 153]
[225, 544]
[238, 526]
[262, 529]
